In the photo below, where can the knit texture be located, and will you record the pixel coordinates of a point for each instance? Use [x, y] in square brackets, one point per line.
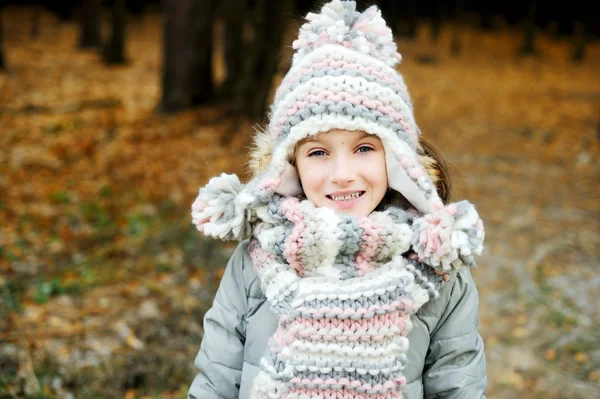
[342, 77]
[343, 294]
[447, 239]
[342, 287]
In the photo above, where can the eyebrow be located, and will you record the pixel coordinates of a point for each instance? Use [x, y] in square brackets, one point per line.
[315, 138]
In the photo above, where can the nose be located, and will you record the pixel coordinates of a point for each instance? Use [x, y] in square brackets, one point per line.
[343, 170]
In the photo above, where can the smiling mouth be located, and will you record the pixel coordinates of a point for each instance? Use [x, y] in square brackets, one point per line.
[347, 197]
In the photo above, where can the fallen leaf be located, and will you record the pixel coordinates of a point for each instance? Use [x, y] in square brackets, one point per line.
[550, 354]
[522, 318]
[512, 379]
[520, 332]
[491, 341]
[581, 357]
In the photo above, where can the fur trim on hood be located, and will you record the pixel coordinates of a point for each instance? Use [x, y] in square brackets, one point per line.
[261, 154]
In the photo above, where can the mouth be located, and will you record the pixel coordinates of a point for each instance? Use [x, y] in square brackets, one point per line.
[345, 197]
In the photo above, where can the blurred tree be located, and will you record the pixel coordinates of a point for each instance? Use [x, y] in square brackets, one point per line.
[579, 39]
[65, 9]
[459, 11]
[187, 54]
[35, 21]
[486, 17]
[260, 57]
[136, 7]
[407, 23]
[528, 46]
[598, 124]
[552, 17]
[436, 20]
[113, 51]
[2, 60]
[232, 13]
[90, 28]
[553, 29]
[411, 21]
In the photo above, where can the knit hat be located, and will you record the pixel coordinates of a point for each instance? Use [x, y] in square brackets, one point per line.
[343, 76]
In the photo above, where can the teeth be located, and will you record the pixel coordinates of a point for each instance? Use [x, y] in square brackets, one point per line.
[345, 197]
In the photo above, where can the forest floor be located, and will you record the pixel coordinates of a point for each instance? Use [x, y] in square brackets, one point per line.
[104, 281]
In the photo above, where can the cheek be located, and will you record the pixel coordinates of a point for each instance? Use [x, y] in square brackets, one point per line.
[311, 175]
[377, 174]
[380, 186]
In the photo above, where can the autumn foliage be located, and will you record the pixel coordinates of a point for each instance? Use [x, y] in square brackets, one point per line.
[104, 282]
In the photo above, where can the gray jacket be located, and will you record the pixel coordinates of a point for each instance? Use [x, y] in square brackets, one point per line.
[445, 356]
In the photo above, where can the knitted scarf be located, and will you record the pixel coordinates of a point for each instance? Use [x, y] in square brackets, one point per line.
[342, 287]
[343, 294]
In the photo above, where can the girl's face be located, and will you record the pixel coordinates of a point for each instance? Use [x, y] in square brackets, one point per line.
[343, 170]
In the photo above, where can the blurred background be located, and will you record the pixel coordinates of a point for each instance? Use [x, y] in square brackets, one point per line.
[114, 113]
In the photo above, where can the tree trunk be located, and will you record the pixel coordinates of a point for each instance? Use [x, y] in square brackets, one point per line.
[233, 13]
[2, 60]
[271, 29]
[90, 33]
[406, 25]
[436, 21]
[486, 15]
[35, 21]
[187, 54]
[113, 52]
[64, 8]
[553, 29]
[456, 45]
[261, 58]
[528, 47]
[598, 125]
[579, 42]
[411, 32]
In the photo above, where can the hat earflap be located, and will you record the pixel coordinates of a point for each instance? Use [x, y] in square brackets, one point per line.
[446, 236]
[449, 237]
[226, 209]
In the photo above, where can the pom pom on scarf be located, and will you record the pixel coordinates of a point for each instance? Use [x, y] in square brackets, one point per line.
[218, 210]
[340, 23]
[448, 237]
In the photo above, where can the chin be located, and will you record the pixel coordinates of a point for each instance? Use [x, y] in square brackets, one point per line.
[358, 213]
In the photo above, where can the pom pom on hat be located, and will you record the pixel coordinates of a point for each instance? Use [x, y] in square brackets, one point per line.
[449, 236]
[340, 23]
[219, 209]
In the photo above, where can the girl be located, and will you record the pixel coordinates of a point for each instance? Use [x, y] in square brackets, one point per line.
[352, 276]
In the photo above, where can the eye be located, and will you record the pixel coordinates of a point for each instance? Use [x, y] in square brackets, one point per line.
[316, 153]
[365, 148]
